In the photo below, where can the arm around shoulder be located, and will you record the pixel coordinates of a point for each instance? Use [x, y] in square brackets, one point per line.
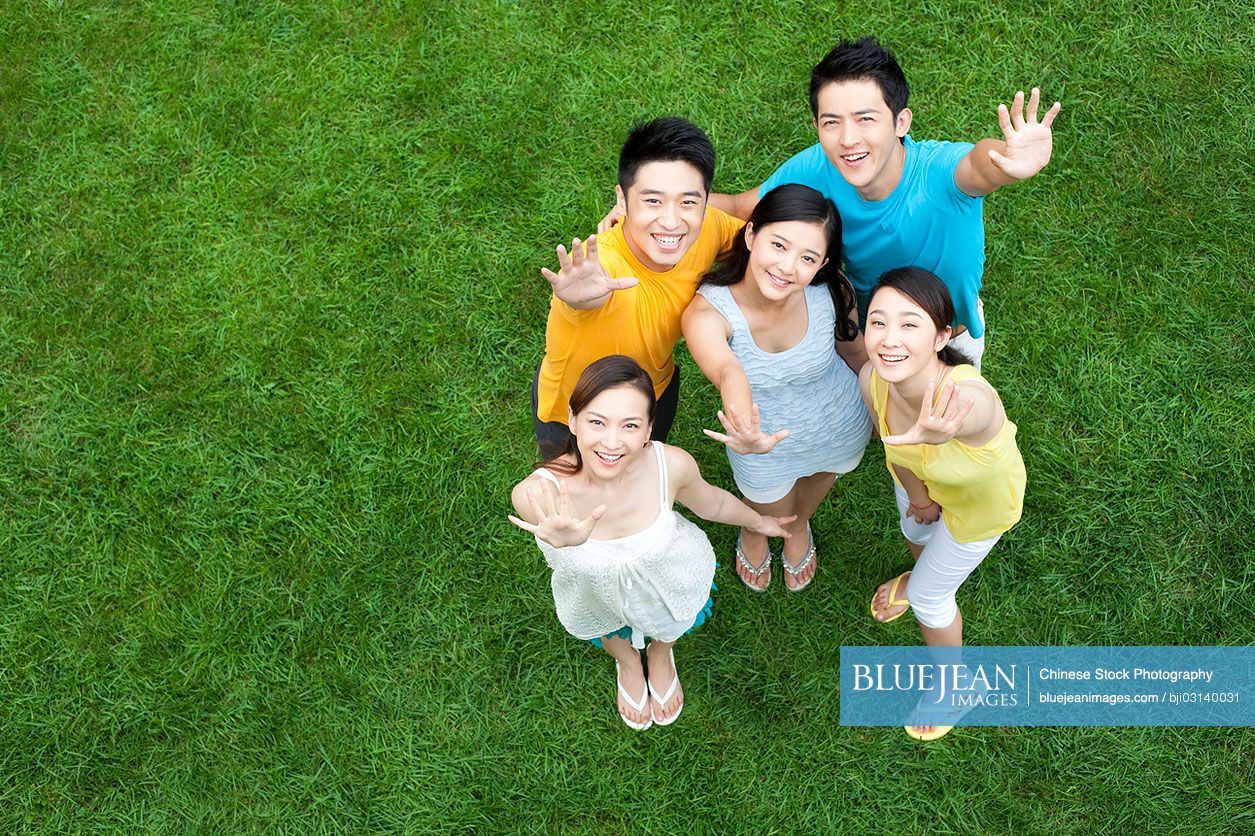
[737, 205]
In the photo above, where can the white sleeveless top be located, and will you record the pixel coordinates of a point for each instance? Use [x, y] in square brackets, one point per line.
[655, 581]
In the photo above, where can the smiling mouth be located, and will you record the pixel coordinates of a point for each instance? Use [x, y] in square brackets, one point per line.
[892, 358]
[608, 459]
[777, 281]
[854, 158]
[669, 243]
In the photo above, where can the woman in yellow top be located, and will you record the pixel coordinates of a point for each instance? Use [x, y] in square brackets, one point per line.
[958, 475]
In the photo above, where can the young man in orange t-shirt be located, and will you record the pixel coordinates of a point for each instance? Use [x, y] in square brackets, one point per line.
[625, 291]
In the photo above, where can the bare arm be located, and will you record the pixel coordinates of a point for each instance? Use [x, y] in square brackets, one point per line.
[738, 205]
[706, 333]
[853, 352]
[716, 504]
[1023, 151]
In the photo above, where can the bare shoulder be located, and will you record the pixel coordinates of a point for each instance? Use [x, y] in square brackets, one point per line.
[681, 466]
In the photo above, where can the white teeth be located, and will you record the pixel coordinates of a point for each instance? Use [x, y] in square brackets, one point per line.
[609, 459]
[667, 240]
[892, 358]
[853, 158]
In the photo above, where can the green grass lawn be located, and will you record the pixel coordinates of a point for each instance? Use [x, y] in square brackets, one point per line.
[270, 305]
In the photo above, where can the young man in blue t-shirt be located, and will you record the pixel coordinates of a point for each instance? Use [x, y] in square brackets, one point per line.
[902, 202]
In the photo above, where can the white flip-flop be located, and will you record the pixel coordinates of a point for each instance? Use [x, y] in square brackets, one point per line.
[637, 705]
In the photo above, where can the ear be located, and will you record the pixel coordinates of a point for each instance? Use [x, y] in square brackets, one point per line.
[570, 419]
[943, 337]
[749, 236]
[822, 265]
[903, 123]
[618, 194]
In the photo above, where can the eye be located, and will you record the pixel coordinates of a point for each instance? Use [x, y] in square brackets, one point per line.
[631, 425]
[652, 200]
[809, 258]
[867, 119]
[596, 422]
[909, 325]
[690, 202]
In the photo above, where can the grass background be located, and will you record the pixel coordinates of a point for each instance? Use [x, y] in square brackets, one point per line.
[269, 307]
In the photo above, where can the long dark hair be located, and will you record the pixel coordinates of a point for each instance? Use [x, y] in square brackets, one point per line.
[607, 373]
[795, 202]
[930, 293]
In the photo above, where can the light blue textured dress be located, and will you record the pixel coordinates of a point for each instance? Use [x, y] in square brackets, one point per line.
[807, 389]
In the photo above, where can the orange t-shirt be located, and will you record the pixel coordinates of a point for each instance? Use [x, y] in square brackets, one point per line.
[642, 322]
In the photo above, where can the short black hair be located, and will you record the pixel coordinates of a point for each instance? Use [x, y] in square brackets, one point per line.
[666, 139]
[859, 60]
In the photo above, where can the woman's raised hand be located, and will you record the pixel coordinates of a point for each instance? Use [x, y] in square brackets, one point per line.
[559, 523]
[937, 422]
[745, 437]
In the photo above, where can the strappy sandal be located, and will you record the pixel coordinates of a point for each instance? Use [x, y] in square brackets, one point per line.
[794, 571]
[753, 571]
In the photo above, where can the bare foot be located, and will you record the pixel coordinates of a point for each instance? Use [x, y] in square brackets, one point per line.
[880, 602]
[662, 673]
[631, 676]
[756, 551]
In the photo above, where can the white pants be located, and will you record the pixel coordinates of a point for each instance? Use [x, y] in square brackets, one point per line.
[974, 349]
[942, 567]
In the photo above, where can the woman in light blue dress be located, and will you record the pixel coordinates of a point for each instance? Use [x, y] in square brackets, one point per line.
[770, 327]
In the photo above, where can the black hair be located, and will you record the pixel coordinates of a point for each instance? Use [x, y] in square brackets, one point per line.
[930, 293]
[666, 139]
[795, 202]
[609, 372]
[857, 60]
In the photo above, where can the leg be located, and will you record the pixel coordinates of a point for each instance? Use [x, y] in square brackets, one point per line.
[666, 695]
[551, 436]
[944, 565]
[664, 414]
[917, 537]
[807, 493]
[974, 350]
[630, 676]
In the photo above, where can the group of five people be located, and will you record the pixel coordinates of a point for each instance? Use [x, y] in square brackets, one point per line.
[840, 298]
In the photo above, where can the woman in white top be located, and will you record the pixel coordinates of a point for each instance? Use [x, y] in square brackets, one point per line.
[647, 572]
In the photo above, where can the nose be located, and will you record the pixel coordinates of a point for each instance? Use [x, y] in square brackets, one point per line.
[670, 215]
[845, 134]
[612, 438]
[788, 263]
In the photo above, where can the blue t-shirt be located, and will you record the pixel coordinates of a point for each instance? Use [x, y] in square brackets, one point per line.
[925, 222]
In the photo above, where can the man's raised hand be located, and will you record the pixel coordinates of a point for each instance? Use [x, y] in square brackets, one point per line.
[1028, 140]
[581, 281]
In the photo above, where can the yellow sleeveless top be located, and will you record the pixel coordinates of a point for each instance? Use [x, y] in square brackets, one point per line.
[980, 489]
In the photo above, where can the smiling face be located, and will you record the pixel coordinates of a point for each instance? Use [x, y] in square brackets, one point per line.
[784, 256]
[611, 430]
[901, 338]
[664, 209]
[861, 137]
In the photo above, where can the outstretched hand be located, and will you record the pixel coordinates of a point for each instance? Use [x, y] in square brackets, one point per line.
[745, 437]
[1028, 140]
[937, 422]
[559, 524]
[580, 278]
